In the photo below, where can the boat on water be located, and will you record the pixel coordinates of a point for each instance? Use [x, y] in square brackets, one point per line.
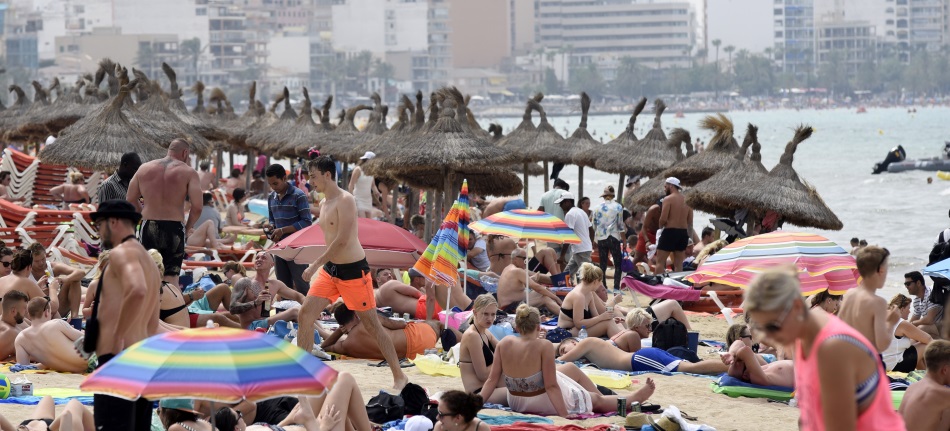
[896, 161]
[861, 110]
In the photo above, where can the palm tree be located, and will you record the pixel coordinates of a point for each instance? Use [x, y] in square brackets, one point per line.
[701, 54]
[550, 55]
[333, 71]
[191, 49]
[729, 49]
[716, 43]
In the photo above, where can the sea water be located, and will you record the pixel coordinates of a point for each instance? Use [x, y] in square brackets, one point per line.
[898, 211]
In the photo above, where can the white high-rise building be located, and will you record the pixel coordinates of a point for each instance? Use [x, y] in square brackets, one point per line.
[379, 26]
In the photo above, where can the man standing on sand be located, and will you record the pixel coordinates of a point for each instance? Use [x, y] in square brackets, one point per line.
[11, 321]
[49, 341]
[343, 270]
[288, 211]
[117, 185]
[577, 220]
[862, 308]
[128, 295]
[164, 184]
[676, 222]
[607, 219]
[647, 236]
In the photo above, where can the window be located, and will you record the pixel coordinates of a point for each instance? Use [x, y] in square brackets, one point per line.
[778, 11]
[201, 11]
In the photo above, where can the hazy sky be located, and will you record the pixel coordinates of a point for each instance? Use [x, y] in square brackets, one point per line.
[746, 24]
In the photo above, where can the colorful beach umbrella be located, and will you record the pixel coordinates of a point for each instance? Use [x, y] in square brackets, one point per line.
[449, 247]
[386, 245]
[216, 364]
[822, 264]
[527, 224]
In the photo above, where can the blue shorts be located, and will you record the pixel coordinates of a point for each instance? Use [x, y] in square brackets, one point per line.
[516, 204]
[261, 323]
[653, 359]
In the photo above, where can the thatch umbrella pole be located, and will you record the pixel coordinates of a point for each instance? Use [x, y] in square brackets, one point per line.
[619, 189]
[230, 164]
[547, 177]
[393, 211]
[218, 162]
[249, 168]
[524, 175]
[345, 179]
[580, 181]
[429, 207]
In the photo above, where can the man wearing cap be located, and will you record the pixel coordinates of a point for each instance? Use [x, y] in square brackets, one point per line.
[577, 220]
[363, 187]
[607, 219]
[164, 184]
[127, 309]
[288, 211]
[676, 221]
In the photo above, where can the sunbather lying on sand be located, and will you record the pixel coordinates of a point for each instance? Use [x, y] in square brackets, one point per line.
[745, 365]
[605, 355]
[49, 342]
[74, 417]
[354, 340]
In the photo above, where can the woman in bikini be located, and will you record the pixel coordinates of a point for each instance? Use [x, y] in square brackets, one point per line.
[581, 308]
[839, 379]
[74, 417]
[73, 192]
[174, 304]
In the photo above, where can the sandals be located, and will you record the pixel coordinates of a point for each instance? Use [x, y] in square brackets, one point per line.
[403, 363]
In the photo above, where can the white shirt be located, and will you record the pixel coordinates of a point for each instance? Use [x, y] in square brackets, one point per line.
[547, 201]
[576, 219]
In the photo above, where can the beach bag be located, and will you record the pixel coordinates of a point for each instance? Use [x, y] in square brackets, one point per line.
[670, 333]
[431, 411]
[385, 407]
[414, 398]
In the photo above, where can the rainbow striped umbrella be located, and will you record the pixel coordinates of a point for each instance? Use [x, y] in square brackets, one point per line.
[215, 364]
[822, 264]
[527, 224]
[439, 263]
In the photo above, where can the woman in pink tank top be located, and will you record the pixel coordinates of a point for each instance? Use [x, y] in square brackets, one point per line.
[839, 379]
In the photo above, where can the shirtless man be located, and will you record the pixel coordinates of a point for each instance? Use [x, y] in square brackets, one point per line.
[70, 278]
[407, 298]
[19, 279]
[128, 305]
[206, 179]
[511, 287]
[745, 365]
[862, 308]
[11, 321]
[647, 236]
[344, 271]
[499, 253]
[164, 184]
[48, 341]
[249, 297]
[926, 404]
[354, 339]
[676, 220]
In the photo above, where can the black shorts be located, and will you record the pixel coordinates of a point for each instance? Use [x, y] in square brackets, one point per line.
[168, 237]
[673, 239]
[347, 271]
[909, 363]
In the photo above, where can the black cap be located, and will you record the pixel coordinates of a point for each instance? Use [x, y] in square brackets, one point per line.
[116, 208]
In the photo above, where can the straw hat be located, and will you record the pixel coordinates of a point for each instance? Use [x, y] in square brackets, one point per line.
[664, 424]
[636, 420]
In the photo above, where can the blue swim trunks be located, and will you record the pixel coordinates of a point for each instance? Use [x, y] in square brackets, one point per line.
[261, 323]
[653, 359]
[516, 204]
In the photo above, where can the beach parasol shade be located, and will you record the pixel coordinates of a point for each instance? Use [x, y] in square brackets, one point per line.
[718, 155]
[548, 145]
[244, 131]
[783, 192]
[159, 123]
[11, 115]
[253, 113]
[582, 145]
[519, 137]
[98, 141]
[199, 90]
[821, 264]
[274, 133]
[375, 127]
[652, 190]
[485, 181]
[31, 124]
[533, 169]
[392, 140]
[722, 194]
[177, 106]
[340, 142]
[217, 364]
[440, 261]
[620, 145]
[66, 109]
[386, 245]
[284, 142]
[223, 109]
[650, 155]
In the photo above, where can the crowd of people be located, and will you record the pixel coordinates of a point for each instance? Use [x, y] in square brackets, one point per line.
[833, 350]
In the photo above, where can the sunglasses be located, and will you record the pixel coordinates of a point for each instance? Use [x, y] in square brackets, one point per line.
[6, 264]
[441, 415]
[502, 254]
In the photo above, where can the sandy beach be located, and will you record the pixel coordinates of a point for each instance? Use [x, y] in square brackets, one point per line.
[692, 395]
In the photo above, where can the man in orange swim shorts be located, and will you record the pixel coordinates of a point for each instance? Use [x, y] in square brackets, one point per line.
[352, 339]
[343, 269]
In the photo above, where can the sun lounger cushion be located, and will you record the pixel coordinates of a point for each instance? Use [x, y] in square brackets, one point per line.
[735, 388]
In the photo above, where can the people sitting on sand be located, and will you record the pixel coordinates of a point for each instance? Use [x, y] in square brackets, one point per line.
[544, 261]
[42, 271]
[354, 340]
[234, 217]
[640, 323]
[74, 417]
[511, 286]
[499, 253]
[926, 404]
[604, 354]
[826, 301]
[234, 181]
[411, 298]
[478, 253]
[21, 280]
[745, 365]
[839, 380]
[73, 192]
[179, 414]
[175, 305]
[12, 321]
[926, 315]
[248, 296]
[906, 351]
[862, 308]
[526, 365]
[458, 410]
[50, 341]
[581, 308]
[208, 227]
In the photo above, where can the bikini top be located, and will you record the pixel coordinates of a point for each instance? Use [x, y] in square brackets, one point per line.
[532, 383]
[866, 389]
[488, 352]
[570, 313]
[164, 314]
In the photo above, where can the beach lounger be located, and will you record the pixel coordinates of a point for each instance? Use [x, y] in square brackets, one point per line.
[726, 302]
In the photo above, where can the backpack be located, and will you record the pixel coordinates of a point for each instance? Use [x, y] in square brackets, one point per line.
[385, 407]
[414, 398]
[941, 286]
[670, 333]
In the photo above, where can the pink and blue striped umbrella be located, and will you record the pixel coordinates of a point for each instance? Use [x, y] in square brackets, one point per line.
[215, 364]
[527, 224]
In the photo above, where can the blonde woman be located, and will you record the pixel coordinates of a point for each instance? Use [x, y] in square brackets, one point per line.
[839, 380]
[906, 351]
[581, 308]
[73, 192]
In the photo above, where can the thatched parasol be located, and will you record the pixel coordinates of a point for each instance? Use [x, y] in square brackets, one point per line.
[722, 193]
[375, 126]
[306, 138]
[250, 116]
[274, 133]
[223, 110]
[652, 190]
[783, 192]
[534, 169]
[158, 122]
[648, 156]
[97, 142]
[11, 115]
[67, 109]
[622, 144]
[28, 126]
[583, 147]
[339, 143]
[492, 182]
[518, 139]
[177, 106]
[280, 142]
[393, 139]
[239, 136]
[199, 89]
[717, 156]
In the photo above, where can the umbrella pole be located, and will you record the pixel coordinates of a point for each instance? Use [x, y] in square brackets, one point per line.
[620, 187]
[547, 178]
[580, 182]
[524, 175]
[429, 207]
[527, 285]
[393, 210]
[230, 165]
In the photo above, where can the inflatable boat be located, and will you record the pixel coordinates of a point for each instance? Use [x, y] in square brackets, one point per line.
[896, 161]
[896, 155]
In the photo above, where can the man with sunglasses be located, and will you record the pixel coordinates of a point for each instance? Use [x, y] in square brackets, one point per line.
[862, 308]
[926, 315]
[50, 341]
[511, 287]
[6, 258]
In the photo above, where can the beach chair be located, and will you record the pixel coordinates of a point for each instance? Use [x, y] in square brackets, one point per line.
[23, 170]
[691, 299]
[65, 256]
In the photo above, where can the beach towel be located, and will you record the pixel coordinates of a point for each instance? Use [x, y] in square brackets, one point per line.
[660, 291]
[435, 366]
[522, 426]
[60, 396]
[733, 387]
